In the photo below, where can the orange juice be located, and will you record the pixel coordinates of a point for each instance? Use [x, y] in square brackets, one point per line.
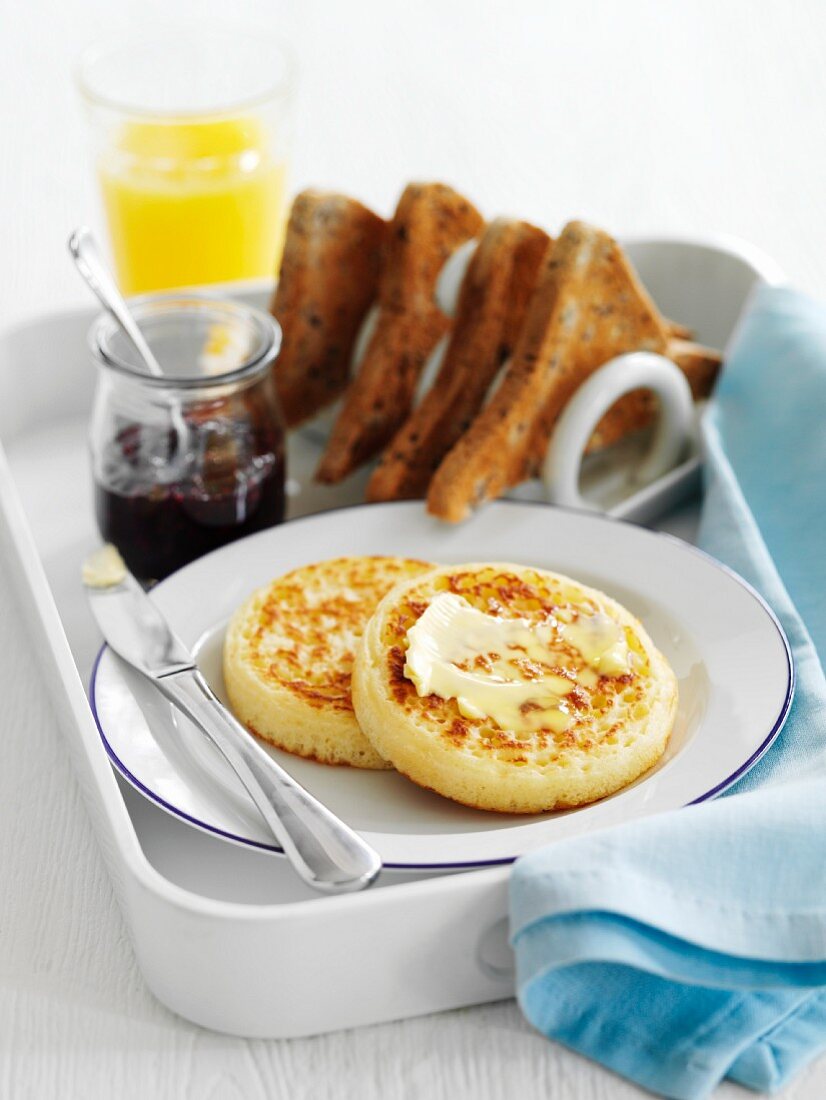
[192, 201]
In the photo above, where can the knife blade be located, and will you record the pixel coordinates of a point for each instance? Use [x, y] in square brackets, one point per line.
[329, 855]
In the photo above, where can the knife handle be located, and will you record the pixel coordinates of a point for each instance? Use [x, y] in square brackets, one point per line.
[325, 852]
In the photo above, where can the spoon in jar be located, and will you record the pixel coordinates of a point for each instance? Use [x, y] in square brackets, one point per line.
[100, 280]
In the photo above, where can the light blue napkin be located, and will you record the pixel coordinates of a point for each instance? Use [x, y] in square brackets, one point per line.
[681, 949]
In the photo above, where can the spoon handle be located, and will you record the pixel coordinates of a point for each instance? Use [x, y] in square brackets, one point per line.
[91, 266]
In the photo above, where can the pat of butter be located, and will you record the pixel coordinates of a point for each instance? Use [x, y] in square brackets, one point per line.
[495, 669]
[601, 642]
[104, 568]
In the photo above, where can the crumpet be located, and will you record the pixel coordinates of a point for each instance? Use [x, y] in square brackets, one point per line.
[288, 656]
[588, 701]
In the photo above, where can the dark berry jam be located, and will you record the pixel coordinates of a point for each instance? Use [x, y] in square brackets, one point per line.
[162, 513]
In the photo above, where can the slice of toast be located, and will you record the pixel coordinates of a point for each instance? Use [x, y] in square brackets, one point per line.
[492, 303]
[431, 221]
[588, 306]
[677, 331]
[700, 365]
[637, 410]
[329, 276]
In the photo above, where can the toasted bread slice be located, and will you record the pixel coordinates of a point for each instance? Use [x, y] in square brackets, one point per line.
[677, 331]
[588, 306]
[329, 275]
[491, 308]
[699, 364]
[431, 220]
[637, 409]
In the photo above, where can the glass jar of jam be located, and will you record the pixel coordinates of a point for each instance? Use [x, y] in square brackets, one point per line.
[188, 462]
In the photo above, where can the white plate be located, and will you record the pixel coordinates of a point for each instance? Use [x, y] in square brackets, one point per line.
[727, 649]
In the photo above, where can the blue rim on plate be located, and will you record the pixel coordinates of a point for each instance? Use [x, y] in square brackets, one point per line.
[723, 785]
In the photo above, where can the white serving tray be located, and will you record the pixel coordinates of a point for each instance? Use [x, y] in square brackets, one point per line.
[225, 936]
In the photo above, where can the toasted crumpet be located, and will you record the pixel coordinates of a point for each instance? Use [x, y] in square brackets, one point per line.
[288, 656]
[618, 724]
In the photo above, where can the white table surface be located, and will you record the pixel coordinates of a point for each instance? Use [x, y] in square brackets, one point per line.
[641, 116]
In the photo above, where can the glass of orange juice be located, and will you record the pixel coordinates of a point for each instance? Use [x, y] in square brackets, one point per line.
[191, 137]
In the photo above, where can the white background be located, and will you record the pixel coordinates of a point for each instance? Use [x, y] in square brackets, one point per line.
[659, 116]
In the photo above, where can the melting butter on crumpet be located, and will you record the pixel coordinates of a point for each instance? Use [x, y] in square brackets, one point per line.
[512, 689]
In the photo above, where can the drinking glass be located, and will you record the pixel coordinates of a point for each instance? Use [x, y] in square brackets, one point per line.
[191, 135]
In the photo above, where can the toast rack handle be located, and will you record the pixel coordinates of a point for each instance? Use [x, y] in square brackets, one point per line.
[634, 371]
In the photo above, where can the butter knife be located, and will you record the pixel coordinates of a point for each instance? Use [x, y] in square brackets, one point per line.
[326, 853]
